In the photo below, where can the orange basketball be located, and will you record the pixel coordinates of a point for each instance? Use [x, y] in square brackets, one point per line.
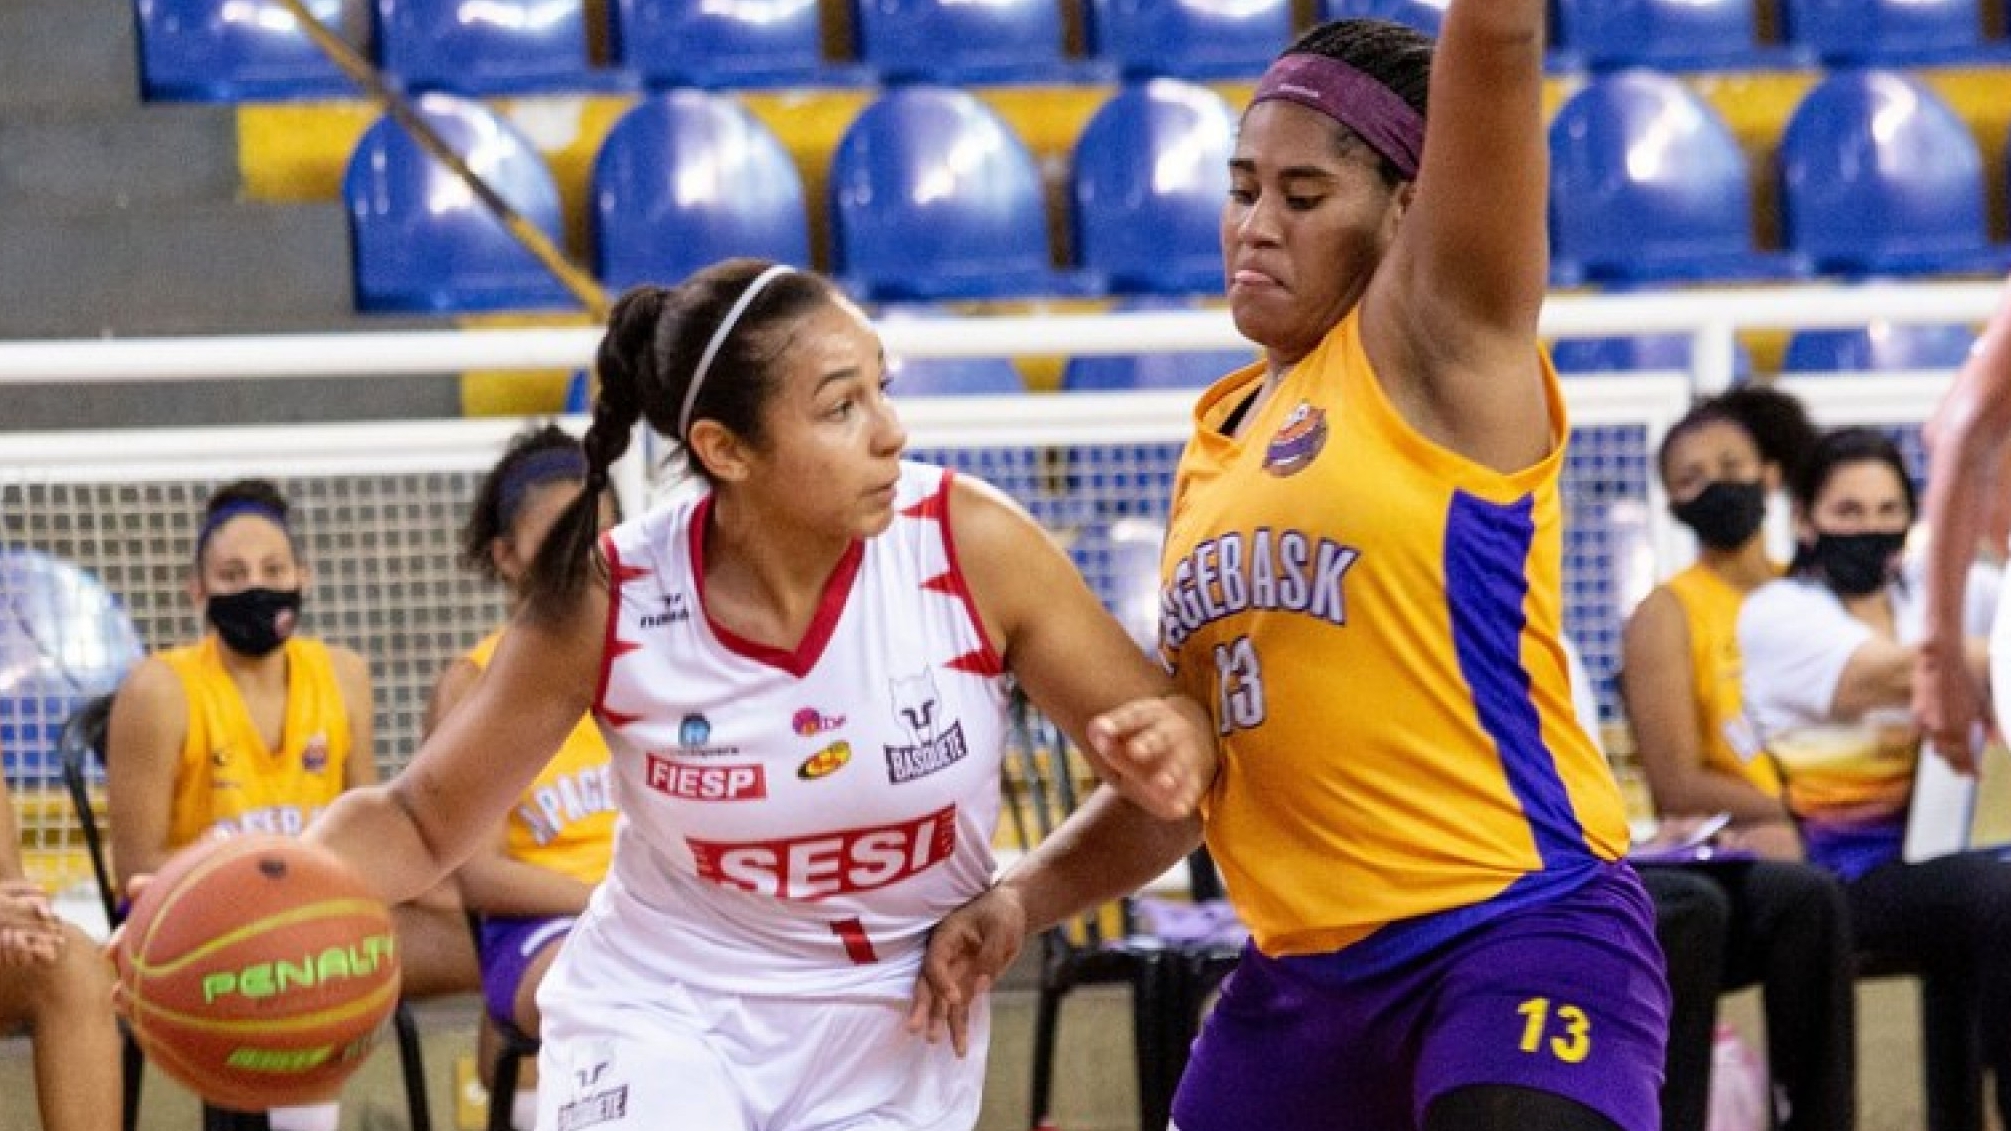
[258, 970]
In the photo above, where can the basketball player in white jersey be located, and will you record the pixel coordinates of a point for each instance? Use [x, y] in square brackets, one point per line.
[1968, 506]
[802, 674]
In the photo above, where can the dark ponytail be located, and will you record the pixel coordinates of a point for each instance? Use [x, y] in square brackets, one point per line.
[647, 358]
[624, 365]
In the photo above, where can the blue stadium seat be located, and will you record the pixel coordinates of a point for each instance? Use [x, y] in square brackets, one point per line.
[1890, 32]
[1193, 39]
[1424, 15]
[239, 51]
[954, 377]
[933, 197]
[1879, 177]
[1637, 353]
[686, 178]
[489, 47]
[1151, 371]
[959, 43]
[724, 43]
[63, 639]
[1647, 184]
[1149, 175]
[423, 242]
[1669, 35]
[1881, 347]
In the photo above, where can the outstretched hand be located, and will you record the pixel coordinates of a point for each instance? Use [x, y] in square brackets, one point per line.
[30, 933]
[967, 952]
[1159, 753]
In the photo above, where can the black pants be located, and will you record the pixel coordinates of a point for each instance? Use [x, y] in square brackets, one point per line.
[1951, 916]
[1786, 928]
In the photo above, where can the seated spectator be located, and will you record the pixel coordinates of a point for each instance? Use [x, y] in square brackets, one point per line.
[1784, 922]
[1830, 651]
[534, 880]
[54, 980]
[255, 728]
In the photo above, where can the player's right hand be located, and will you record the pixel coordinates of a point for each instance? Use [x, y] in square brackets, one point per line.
[967, 952]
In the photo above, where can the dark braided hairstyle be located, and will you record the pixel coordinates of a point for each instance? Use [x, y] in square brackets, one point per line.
[645, 364]
[500, 496]
[1395, 55]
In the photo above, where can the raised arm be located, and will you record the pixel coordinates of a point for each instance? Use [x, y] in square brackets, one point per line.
[1660, 692]
[143, 746]
[409, 833]
[1967, 451]
[1450, 317]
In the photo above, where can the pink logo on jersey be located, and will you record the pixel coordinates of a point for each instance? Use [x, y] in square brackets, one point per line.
[810, 722]
[1298, 441]
[314, 756]
[741, 782]
[833, 863]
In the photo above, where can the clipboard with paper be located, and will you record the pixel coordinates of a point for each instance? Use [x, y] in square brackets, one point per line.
[1951, 812]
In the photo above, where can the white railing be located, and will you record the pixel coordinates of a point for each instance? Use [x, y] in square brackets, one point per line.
[1712, 317]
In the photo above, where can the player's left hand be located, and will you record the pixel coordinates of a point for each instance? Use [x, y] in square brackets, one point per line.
[967, 952]
[1159, 753]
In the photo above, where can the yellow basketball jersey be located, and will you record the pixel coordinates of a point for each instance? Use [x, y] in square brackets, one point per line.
[565, 820]
[1374, 622]
[228, 779]
[1711, 609]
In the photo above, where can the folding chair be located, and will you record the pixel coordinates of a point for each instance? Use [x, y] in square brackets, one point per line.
[505, 1070]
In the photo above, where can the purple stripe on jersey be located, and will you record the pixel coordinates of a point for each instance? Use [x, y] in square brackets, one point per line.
[1486, 579]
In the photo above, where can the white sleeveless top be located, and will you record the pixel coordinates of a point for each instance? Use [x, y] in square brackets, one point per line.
[794, 823]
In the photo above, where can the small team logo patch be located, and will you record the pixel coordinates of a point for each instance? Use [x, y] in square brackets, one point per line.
[693, 730]
[595, 1109]
[1298, 441]
[747, 782]
[810, 722]
[825, 762]
[675, 611]
[314, 756]
[939, 752]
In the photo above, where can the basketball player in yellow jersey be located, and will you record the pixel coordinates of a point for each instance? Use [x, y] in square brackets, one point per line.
[1361, 578]
[555, 846]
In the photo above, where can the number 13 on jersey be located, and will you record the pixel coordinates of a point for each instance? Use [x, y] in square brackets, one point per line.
[1239, 686]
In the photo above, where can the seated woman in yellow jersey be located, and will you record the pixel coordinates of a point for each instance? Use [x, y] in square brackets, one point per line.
[1784, 924]
[1830, 651]
[531, 885]
[1362, 581]
[255, 728]
[54, 980]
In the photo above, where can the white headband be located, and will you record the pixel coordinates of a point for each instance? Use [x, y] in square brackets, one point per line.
[719, 335]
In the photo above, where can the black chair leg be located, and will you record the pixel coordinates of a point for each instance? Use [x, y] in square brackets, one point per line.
[503, 1089]
[132, 1072]
[1951, 1052]
[224, 1119]
[412, 1060]
[1158, 988]
[1046, 1019]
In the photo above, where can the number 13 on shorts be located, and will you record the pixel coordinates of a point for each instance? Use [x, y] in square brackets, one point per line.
[1568, 1029]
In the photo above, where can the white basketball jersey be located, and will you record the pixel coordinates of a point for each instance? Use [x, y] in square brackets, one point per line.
[794, 823]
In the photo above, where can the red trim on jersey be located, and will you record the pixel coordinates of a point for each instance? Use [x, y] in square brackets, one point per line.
[831, 606]
[612, 645]
[985, 660]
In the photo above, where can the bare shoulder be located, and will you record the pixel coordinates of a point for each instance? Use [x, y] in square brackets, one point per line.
[1658, 617]
[349, 664]
[152, 690]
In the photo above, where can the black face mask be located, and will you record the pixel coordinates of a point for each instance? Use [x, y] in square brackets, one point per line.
[1725, 514]
[1855, 565]
[253, 622]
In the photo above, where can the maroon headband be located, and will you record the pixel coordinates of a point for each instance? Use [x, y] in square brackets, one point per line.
[1377, 114]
